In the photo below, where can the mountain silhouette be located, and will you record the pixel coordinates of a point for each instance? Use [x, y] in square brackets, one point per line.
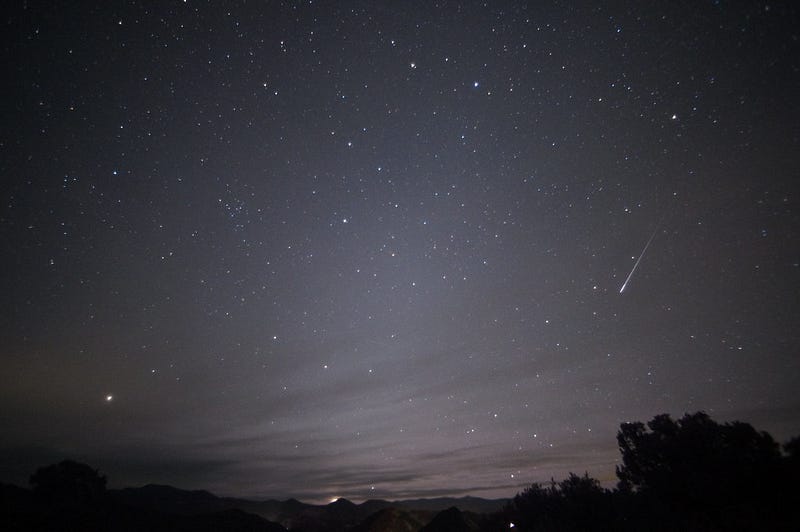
[476, 505]
[683, 474]
[393, 520]
[451, 520]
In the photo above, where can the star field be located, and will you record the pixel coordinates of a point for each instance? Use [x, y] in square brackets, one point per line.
[362, 249]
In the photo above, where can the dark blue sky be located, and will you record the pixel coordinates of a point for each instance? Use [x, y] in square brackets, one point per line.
[370, 249]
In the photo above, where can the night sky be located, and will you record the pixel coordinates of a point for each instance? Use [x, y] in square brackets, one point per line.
[376, 249]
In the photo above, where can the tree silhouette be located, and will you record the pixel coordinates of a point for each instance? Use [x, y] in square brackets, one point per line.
[575, 488]
[695, 461]
[792, 448]
[68, 483]
[575, 503]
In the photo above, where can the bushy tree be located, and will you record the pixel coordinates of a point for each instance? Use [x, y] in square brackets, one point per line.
[68, 483]
[575, 503]
[687, 474]
[695, 460]
[792, 448]
[575, 488]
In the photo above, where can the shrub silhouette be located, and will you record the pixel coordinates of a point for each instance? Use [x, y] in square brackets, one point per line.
[687, 474]
[68, 483]
[792, 448]
[695, 460]
[575, 503]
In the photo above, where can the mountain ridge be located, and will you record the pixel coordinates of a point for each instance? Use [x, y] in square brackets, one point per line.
[179, 500]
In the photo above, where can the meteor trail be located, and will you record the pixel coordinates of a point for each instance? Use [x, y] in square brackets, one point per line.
[635, 264]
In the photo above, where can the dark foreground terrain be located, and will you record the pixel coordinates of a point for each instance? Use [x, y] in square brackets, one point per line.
[156, 508]
[690, 474]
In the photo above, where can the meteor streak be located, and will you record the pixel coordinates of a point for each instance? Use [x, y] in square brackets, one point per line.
[635, 264]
